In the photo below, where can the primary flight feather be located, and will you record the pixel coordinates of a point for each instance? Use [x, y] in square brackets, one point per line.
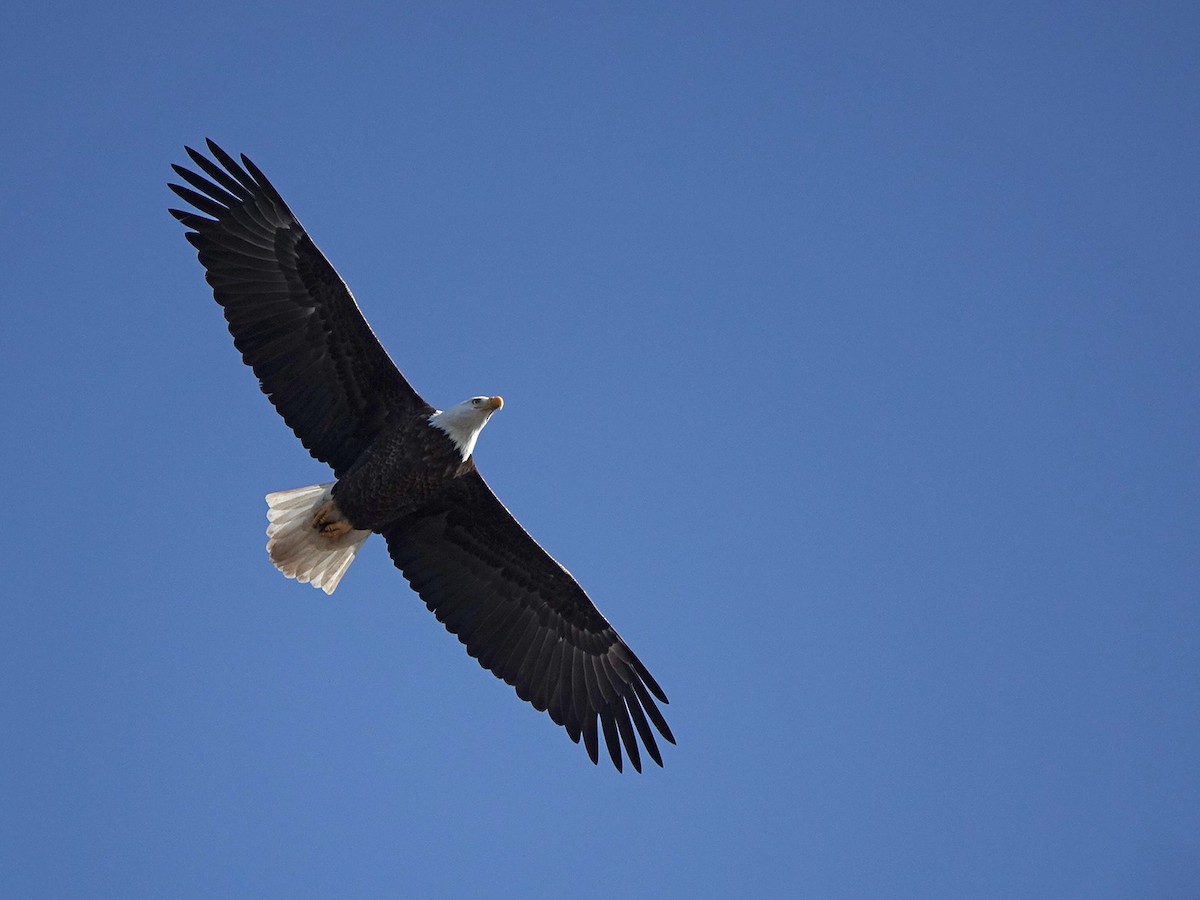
[402, 469]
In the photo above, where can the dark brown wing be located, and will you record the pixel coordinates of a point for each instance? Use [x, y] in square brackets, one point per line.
[290, 314]
[524, 617]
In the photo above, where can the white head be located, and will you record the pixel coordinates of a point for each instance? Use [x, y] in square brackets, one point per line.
[464, 421]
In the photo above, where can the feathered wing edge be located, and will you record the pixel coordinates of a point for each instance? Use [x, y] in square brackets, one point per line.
[525, 619]
[290, 314]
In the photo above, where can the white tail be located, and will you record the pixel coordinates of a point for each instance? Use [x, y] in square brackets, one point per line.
[309, 540]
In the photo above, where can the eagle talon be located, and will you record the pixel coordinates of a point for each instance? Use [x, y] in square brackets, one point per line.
[329, 529]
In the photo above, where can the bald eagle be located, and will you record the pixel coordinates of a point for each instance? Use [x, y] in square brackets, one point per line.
[402, 469]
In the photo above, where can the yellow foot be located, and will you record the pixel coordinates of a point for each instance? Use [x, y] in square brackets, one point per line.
[329, 523]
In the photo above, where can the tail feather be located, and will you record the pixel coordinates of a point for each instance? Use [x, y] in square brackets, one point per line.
[305, 540]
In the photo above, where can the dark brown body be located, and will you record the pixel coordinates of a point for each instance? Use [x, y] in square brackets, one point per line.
[404, 468]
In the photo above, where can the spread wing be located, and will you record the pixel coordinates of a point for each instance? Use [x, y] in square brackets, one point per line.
[291, 316]
[523, 617]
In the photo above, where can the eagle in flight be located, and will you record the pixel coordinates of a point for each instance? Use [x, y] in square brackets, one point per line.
[402, 469]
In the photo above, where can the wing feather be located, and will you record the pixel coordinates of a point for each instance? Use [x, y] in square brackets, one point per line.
[609, 726]
[524, 618]
[643, 729]
[547, 681]
[590, 742]
[219, 175]
[291, 316]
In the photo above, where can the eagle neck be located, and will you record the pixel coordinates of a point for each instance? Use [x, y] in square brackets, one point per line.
[462, 430]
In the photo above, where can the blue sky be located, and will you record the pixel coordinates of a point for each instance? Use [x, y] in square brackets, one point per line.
[850, 359]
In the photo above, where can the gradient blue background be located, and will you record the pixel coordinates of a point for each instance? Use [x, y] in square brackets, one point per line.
[850, 353]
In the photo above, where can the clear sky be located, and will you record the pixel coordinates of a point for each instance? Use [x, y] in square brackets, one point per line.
[851, 362]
